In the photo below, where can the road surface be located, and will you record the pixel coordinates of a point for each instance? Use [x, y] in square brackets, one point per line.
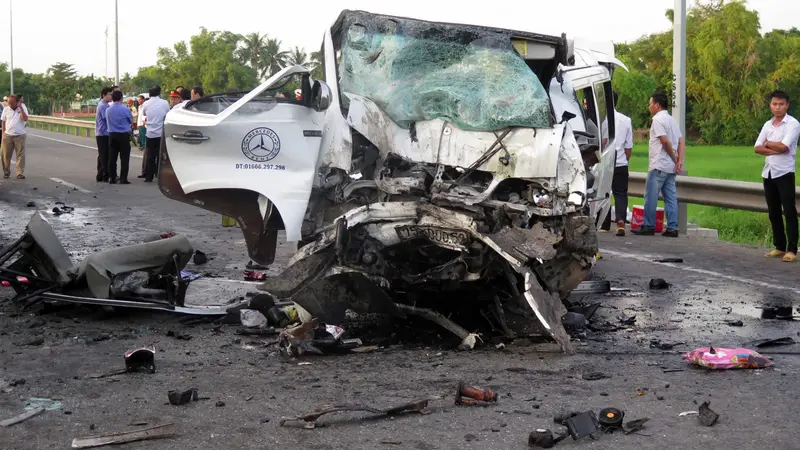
[717, 283]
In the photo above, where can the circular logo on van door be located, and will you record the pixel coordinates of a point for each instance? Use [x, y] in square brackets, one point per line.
[261, 145]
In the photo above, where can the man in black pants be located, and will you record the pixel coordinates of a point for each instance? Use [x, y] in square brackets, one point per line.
[119, 119]
[101, 134]
[156, 110]
[778, 142]
[619, 184]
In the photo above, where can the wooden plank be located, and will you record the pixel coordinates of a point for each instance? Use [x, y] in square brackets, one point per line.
[22, 417]
[154, 432]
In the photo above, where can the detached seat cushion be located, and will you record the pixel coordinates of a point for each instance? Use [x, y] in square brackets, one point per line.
[157, 255]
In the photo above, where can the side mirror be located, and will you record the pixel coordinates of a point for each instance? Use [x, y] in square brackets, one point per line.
[321, 98]
[567, 116]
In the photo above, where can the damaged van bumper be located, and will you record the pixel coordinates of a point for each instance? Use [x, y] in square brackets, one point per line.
[420, 253]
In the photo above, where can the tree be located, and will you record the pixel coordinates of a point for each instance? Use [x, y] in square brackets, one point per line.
[297, 57]
[316, 66]
[211, 59]
[273, 59]
[61, 85]
[251, 49]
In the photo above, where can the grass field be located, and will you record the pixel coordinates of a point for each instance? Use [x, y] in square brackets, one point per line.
[728, 163]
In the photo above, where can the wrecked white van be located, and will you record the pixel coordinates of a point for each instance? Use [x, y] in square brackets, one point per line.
[431, 169]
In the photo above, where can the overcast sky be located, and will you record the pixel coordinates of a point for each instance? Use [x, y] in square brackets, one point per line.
[73, 31]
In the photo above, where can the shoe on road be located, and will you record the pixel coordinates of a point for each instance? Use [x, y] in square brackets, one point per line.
[775, 254]
[789, 257]
[644, 232]
[670, 233]
[621, 228]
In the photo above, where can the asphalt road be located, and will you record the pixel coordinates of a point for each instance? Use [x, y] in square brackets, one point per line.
[716, 283]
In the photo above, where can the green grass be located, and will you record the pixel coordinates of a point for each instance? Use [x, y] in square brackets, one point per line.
[88, 119]
[728, 163]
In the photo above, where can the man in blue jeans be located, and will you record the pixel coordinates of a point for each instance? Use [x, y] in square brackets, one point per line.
[667, 152]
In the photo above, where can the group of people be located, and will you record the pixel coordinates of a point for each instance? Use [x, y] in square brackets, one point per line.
[114, 123]
[13, 120]
[777, 142]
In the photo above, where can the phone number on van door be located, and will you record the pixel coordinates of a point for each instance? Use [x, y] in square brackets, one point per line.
[261, 166]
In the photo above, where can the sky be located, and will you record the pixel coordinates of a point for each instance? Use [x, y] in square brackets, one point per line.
[73, 31]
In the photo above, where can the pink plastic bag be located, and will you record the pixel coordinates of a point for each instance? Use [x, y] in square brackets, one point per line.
[727, 358]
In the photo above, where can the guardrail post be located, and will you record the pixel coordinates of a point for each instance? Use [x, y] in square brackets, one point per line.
[683, 211]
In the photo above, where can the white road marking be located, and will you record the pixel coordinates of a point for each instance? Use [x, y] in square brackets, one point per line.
[73, 186]
[77, 145]
[649, 259]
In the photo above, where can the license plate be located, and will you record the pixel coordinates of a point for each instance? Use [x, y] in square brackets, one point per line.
[438, 235]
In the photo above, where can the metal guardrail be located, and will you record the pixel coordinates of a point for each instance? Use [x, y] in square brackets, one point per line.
[738, 195]
[52, 123]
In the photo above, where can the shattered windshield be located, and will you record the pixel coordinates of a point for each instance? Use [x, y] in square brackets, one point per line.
[418, 71]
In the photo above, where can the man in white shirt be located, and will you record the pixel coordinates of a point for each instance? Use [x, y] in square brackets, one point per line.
[14, 119]
[155, 111]
[778, 142]
[667, 151]
[619, 184]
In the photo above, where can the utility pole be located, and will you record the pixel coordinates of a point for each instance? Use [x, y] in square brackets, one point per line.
[679, 87]
[679, 65]
[116, 36]
[106, 73]
[11, 34]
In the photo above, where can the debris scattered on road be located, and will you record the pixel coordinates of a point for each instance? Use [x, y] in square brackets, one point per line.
[309, 420]
[199, 258]
[594, 376]
[220, 404]
[22, 417]
[586, 310]
[657, 284]
[178, 398]
[46, 403]
[252, 319]
[626, 320]
[59, 210]
[179, 336]
[573, 321]
[707, 416]
[141, 360]
[672, 370]
[634, 425]
[583, 425]
[592, 287]
[776, 342]
[610, 418]
[655, 343]
[154, 432]
[688, 413]
[669, 260]
[31, 205]
[727, 358]
[473, 396]
[34, 342]
[734, 323]
[542, 438]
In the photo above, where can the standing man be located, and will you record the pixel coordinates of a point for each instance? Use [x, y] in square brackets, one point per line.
[778, 142]
[667, 151]
[142, 135]
[198, 92]
[13, 120]
[619, 184]
[101, 135]
[156, 110]
[120, 120]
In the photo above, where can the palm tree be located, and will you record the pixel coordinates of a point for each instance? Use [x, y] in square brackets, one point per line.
[252, 50]
[315, 64]
[272, 58]
[297, 57]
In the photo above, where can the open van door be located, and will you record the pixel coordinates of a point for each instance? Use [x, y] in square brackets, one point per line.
[251, 157]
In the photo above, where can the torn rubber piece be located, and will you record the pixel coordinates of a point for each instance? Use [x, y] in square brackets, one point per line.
[309, 420]
[634, 425]
[658, 284]
[141, 360]
[707, 416]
